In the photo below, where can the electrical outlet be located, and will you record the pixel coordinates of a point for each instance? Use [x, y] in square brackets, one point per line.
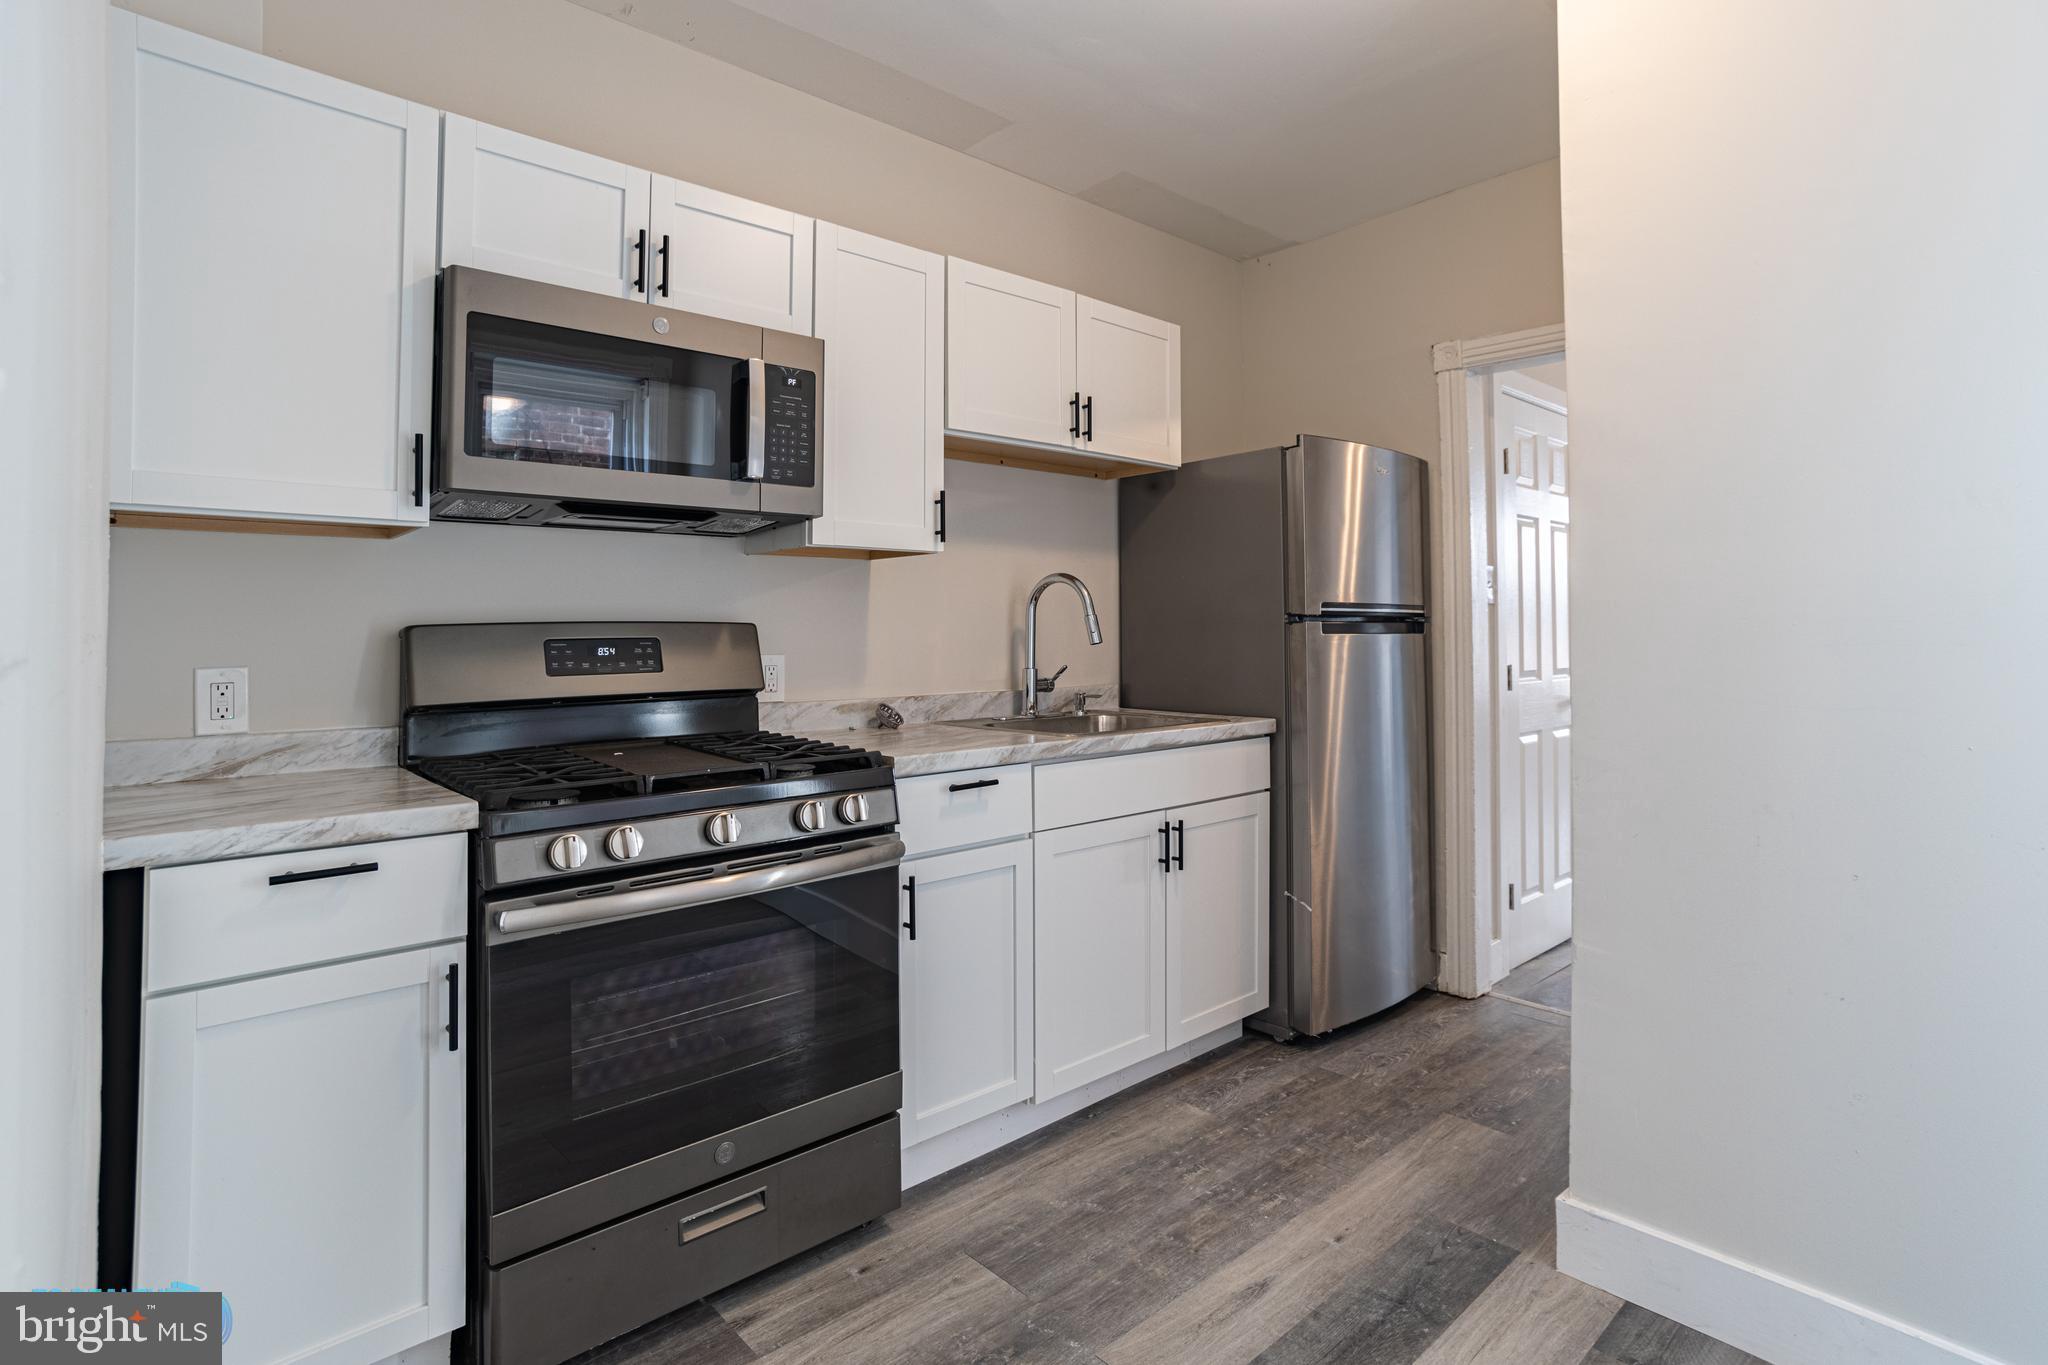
[220, 701]
[772, 679]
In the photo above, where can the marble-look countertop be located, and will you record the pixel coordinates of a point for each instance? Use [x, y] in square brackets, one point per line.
[236, 817]
[942, 748]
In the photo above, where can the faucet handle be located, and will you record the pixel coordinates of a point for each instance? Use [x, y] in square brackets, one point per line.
[1045, 684]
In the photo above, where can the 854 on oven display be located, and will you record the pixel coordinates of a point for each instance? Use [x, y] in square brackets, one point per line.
[687, 1062]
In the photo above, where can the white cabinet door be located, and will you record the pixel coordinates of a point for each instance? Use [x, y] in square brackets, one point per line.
[730, 257]
[1128, 371]
[519, 206]
[301, 1149]
[1100, 934]
[1009, 357]
[966, 986]
[272, 284]
[1217, 897]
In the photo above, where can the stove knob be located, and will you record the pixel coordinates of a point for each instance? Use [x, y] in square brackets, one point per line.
[853, 810]
[810, 817]
[568, 852]
[723, 828]
[624, 843]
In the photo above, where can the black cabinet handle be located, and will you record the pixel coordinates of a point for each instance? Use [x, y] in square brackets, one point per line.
[640, 264]
[975, 786]
[1180, 834]
[663, 253]
[1165, 845]
[910, 886]
[1088, 411]
[287, 878]
[1074, 408]
[419, 470]
[940, 503]
[454, 1008]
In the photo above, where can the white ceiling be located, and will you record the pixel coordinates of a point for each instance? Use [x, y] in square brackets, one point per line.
[1242, 125]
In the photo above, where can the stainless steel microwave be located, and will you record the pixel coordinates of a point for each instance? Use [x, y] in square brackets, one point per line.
[557, 407]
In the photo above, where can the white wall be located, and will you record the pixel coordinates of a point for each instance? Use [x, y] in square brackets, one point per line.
[1804, 282]
[53, 543]
[314, 620]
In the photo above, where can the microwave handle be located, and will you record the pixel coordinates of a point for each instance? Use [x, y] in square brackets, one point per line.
[757, 420]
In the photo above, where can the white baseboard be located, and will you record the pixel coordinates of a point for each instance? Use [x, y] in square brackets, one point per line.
[936, 1156]
[1746, 1306]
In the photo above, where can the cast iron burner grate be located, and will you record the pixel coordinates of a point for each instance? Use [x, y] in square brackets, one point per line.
[554, 775]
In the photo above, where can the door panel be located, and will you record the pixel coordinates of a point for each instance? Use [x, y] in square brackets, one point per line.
[1357, 521]
[730, 257]
[1358, 877]
[1217, 917]
[524, 207]
[1533, 612]
[1127, 367]
[1100, 949]
[1009, 356]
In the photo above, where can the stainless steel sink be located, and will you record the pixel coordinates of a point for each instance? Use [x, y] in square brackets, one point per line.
[1088, 723]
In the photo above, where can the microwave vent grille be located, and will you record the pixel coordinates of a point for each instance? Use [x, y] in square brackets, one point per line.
[481, 509]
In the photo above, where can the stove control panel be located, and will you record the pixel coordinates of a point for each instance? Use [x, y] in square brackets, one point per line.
[624, 655]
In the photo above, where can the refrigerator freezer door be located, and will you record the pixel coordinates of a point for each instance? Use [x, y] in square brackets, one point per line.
[1357, 812]
[1356, 519]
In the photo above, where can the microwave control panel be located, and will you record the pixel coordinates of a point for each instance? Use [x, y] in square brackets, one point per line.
[792, 426]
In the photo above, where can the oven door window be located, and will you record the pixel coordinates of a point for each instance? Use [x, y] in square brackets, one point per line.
[619, 1042]
[555, 396]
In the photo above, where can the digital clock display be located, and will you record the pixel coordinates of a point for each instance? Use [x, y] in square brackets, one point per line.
[635, 655]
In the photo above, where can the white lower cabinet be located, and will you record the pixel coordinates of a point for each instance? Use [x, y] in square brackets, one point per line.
[301, 1150]
[966, 986]
[1217, 897]
[1101, 949]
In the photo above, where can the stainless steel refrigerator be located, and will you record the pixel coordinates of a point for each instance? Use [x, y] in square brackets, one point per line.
[1291, 583]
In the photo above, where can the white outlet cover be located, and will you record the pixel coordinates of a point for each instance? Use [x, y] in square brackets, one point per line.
[773, 678]
[237, 682]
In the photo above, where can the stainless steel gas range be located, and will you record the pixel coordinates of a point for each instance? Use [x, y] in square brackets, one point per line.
[686, 1061]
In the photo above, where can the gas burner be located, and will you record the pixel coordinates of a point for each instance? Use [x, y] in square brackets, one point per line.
[783, 755]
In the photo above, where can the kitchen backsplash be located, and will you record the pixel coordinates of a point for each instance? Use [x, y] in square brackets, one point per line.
[139, 762]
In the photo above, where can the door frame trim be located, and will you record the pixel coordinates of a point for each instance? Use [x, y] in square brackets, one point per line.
[1465, 663]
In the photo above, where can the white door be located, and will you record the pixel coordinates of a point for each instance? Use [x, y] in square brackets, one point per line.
[881, 312]
[1100, 937]
[1217, 896]
[272, 284]
[301, 1150]
[730, 257]
[1127, 367]
[1532, 482]
[966, 986]
[1009, 357]
[520, 206]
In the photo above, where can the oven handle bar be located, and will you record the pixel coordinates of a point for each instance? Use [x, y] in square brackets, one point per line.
[536, 915]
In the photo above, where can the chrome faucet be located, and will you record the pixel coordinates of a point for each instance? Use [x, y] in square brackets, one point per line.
[1033, 684]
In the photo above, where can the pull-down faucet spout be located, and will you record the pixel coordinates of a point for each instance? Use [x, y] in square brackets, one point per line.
[1033, 684]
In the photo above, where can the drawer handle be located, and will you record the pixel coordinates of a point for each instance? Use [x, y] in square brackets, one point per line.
[710, 1220]
[286, 878]
[975, 786]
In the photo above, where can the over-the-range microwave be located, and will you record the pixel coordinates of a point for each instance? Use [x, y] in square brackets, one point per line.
[557, 407]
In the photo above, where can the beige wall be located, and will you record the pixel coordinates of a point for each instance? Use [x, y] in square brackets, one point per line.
[1337, 332]
[315, 620]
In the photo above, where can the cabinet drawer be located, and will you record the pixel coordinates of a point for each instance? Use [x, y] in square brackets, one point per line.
[212, 921]
[1105, 788]
[953, 810]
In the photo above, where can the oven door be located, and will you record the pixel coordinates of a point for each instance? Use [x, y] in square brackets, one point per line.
[643, 1042]
[577, 399]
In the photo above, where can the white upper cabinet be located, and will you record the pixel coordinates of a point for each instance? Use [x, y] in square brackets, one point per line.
[881, 312]
[966, 988]
[730, 257]
[519, 206]
[1009, 357]
[272, 285]
[1034, 365]
[1127, 367]
[1217, 893]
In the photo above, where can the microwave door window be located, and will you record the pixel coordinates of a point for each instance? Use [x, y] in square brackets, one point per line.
[551, 396]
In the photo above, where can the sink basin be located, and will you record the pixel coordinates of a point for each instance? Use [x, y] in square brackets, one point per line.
[1089, 723]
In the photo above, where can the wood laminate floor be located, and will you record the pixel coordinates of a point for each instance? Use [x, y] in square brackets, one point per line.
[1382, 1196]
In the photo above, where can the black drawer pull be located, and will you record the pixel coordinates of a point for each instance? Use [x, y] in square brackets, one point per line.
[1166, 845]
[1180, 858]
[975, 786]
[1088, 415]
[640, 265]
[663, 255]
[287, 878]
[1074, 411]
[910, 889]
[454, 1008]
[419, 470]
